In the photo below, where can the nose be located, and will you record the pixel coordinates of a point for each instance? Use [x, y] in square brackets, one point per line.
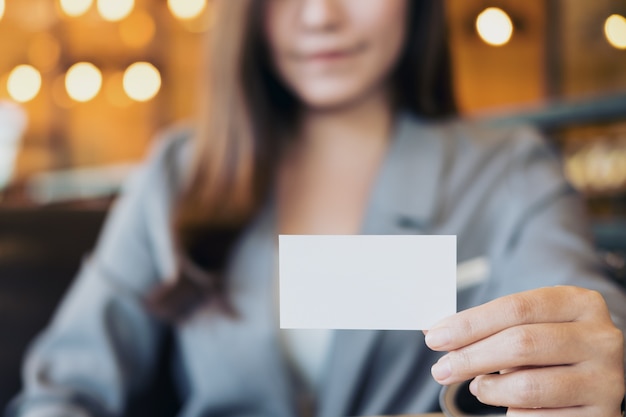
[320, 14]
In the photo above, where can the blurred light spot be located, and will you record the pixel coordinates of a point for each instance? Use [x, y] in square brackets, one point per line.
[44, 52]
[494, 26]
[75, 8]
[1, 9]
[114, 90]
[186, 9]
[615, 31]
[138, 30]
[142, 81]
[199, 24]
[83, 81]
[35, 15]
[24, 83]
[599, 166]
[115, 10]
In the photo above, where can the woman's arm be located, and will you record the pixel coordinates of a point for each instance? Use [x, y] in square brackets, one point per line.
[552, 351]
[101, 345]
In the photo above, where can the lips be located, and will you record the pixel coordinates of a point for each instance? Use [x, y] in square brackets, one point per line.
[330, 54]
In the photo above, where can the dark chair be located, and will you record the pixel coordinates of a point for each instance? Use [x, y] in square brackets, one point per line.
[40, 252]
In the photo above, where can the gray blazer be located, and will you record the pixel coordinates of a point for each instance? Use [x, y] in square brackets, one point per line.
[500, 190]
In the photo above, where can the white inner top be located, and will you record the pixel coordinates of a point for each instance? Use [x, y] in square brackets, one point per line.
[307, 351]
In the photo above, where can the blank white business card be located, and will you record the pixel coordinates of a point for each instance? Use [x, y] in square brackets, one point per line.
[399, 282]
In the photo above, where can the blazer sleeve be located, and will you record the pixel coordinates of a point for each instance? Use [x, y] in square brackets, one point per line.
[545, 238]
[101, 344]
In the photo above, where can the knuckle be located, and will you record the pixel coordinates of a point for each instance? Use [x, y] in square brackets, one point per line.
[528, 390]
[524, 343]
[591, 301]
[469, 326]
[571, 292]
[594, 299]
[611, 340]
[522, 309]
[615, 339]
[461, 362]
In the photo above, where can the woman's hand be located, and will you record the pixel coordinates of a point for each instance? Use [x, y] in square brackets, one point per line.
[546, 352]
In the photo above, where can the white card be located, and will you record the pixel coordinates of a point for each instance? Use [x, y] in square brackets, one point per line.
[399, 282]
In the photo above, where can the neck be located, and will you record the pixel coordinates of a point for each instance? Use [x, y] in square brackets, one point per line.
[367, 122]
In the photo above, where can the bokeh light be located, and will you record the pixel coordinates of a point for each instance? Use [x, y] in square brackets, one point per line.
[24, 83]
[137, 30]
[44, 51]
[615, 31]
[115, 10]
[142, 81]
[201, 23]
[75, 8]
[1, 8]
[83, 81]
[186, 9]
[598, 167]
[34, 15]
[494, 26]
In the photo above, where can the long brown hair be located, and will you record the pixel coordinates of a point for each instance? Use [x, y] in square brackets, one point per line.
[246, 115]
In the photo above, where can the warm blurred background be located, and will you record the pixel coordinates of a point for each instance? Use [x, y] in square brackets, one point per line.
[96, 79]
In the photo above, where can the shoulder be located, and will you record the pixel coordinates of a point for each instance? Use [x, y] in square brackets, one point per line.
[171, 148]
[516, 160]
[137, 234]
[166, 161]
[480, 150]
[512, 173]
[489, 177]
[481, 139]
[470, 154]
[475, 141]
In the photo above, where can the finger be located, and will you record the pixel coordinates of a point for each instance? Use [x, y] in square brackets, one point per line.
[550, 387]
[553, 387]
[557, 412]
[516, 347]
[554, 304]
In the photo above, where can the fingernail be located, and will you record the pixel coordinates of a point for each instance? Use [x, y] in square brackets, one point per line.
[437, 338]
[442, 370]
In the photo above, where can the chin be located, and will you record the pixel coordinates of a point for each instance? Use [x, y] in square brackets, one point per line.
[329, 97]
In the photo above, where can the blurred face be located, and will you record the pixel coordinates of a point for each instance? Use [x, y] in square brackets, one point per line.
[334, 52]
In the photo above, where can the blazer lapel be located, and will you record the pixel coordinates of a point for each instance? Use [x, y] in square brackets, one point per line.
[403, 201]
[345, 368]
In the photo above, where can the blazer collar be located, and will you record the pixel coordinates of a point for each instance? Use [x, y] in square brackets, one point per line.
[403, 201]
[345, 368]
[404, 197]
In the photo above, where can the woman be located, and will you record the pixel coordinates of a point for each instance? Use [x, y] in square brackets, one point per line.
[332, 116]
